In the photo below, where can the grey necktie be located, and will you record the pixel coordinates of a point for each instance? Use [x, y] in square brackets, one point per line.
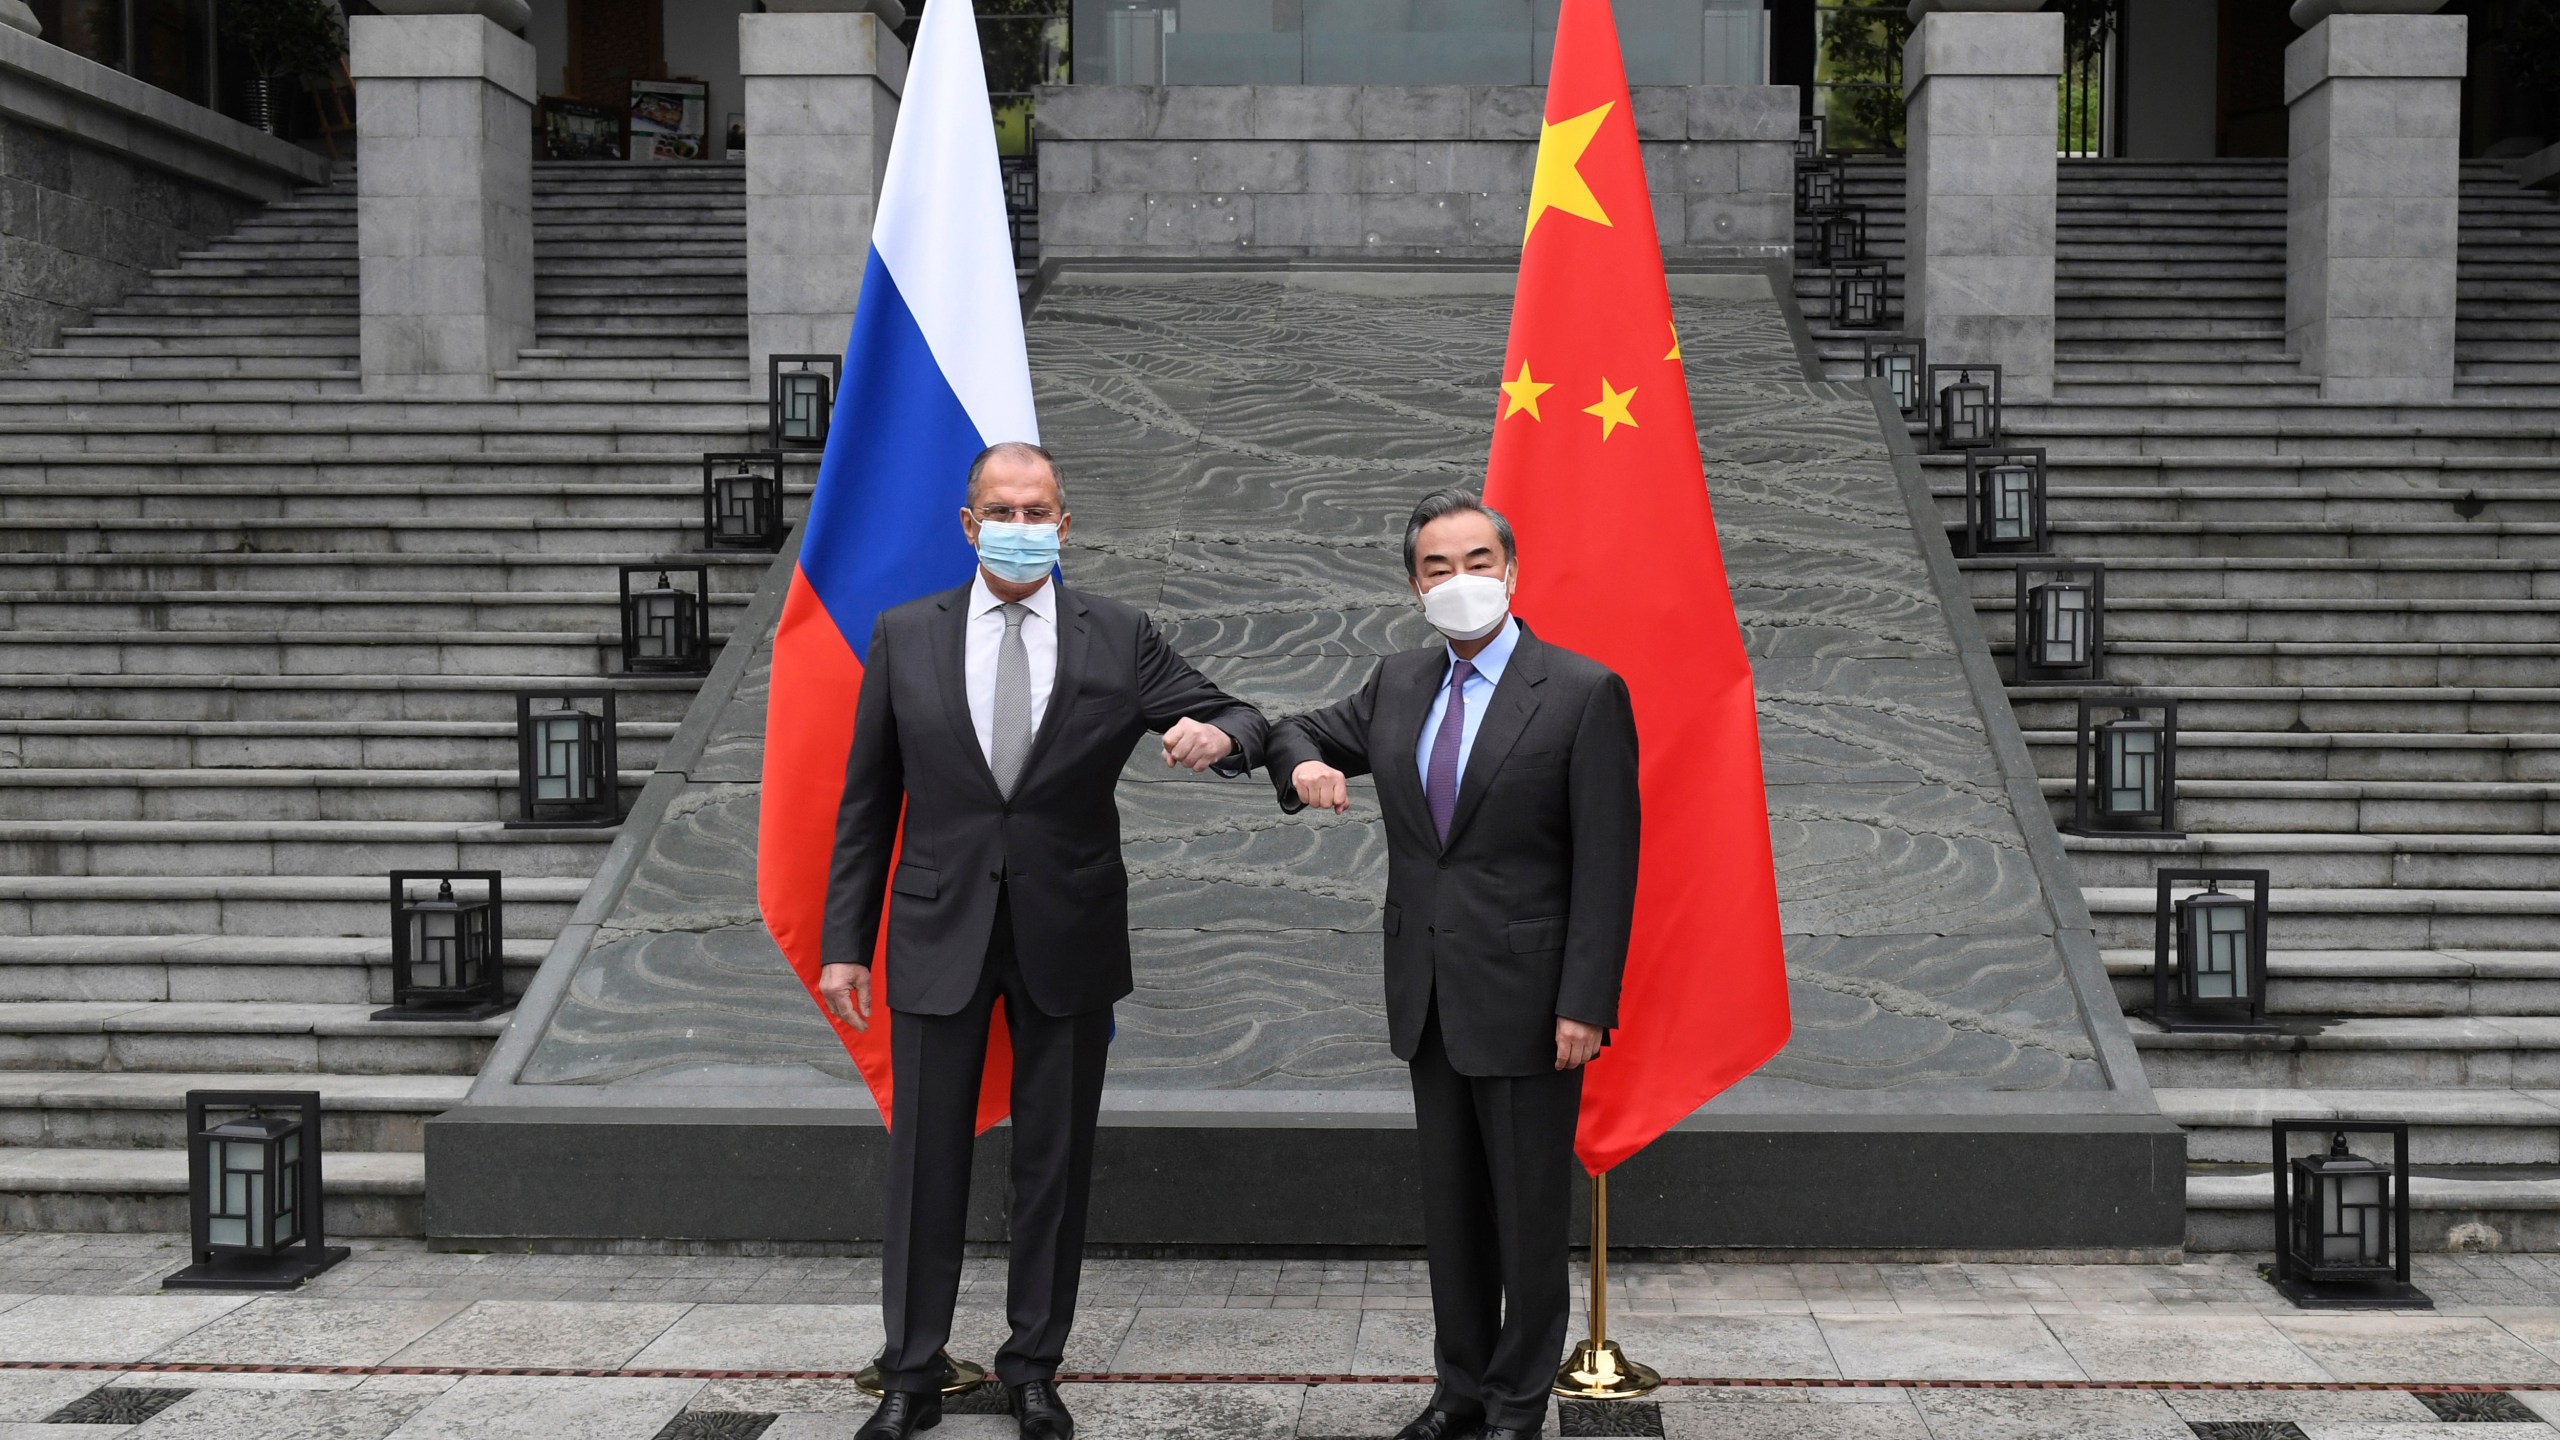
[1013, 702]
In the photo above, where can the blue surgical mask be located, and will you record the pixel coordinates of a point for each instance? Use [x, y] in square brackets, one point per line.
[1015, 552]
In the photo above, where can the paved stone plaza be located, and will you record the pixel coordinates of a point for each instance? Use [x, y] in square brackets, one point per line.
[401, 1341]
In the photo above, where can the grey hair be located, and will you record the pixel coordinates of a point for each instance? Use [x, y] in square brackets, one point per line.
[1454, 501]
[1018, 450]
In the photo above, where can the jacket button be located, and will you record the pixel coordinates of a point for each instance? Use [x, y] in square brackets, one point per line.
[1444, 864]
[996, 875]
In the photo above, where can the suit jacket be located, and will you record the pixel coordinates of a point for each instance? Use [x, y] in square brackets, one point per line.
[1523, 916]
[1055, 845]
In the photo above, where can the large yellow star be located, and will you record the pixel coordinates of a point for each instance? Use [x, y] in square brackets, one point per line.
[1612, 408]
[1558, 185]
[1522, 394]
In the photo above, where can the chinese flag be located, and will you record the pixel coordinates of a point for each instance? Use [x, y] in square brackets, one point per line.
[1595, 460]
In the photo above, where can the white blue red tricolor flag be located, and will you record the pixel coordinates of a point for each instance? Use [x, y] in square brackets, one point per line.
[935, 372]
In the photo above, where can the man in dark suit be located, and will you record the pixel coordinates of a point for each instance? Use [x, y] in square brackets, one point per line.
[1506, 774]
[996, 717]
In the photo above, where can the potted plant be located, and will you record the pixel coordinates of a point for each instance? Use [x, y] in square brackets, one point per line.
[284, 40]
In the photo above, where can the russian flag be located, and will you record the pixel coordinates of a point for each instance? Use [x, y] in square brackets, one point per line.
[934, 373]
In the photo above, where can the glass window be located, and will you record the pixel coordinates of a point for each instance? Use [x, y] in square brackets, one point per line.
[1403, 42]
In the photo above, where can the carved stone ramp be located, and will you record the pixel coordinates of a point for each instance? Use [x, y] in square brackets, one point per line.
[1241, 445]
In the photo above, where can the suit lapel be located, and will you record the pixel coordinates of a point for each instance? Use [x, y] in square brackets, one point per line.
[1506, 716]
[1402, 707]
[1074, 636]
[951, 677]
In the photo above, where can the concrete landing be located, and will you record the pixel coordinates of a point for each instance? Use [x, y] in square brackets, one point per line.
[1241, 447]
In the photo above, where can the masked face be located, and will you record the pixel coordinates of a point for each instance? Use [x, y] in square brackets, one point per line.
[1468, 607]
[1015, 552]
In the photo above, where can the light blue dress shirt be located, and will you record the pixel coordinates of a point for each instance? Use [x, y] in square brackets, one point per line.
[1489, 663]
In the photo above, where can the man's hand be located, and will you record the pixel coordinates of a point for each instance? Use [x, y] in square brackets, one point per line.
[1322, 786]
[1195, 745]
[1576, 1043]
[846, 992]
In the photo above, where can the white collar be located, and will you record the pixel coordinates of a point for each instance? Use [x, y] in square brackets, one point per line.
[1043, 601]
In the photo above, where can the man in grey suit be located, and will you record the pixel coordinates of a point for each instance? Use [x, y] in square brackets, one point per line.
[996, 718]
[1506, 774]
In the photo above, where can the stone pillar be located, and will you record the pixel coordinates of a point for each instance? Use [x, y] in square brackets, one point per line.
[444, 200]
[1981, 90]
[2374, 203]
[822, 100]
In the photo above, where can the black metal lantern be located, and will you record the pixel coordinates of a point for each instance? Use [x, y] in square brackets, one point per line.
[1860, 297]
[448, 958]
[2124, 772]
[2342, 1220]
[801, 396]
[2004, 501]
[1820, 186]
[742, 501]
[1840, 235]
[1809, 140]
[253, 1191]
[2061, 624]
[1902, 362]
[568, 769]
[664, 628]
[1966, 409]
[2219, 941]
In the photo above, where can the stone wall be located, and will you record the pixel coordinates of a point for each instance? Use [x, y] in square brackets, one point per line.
[104, 179]
[1397, 172]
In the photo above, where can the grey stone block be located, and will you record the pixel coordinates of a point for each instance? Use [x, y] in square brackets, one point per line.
[1306, 112]
[1744, 112]
[1662, 111]
[1202, 112]
[1307, 223]
[1253, 166]
[1506, 112]
[1092, 112]
[1066, 165]
[1414, 112]
[1112, 221]
[1153, 165]
[1415, 222]
[1472, 166]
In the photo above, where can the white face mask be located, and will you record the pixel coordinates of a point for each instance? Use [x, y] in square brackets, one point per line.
[1467, 607]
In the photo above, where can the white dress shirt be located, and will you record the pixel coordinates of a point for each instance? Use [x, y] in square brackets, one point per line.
[985, 637]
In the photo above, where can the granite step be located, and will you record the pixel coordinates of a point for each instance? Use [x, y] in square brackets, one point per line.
[2318, 849]
[441, 543]
[350, 699]
[2247, 618]
[192, 969]
[2338, 918]
[170, 582]
[145, 1191]
[2504, 1209]
[2336, 755]
[415, 803]
[252, 845]
[2381, 983]
[146, 1110]
[277, 1038]
[156, 624]
[246, 905]
[2360, 1053]
[2178, 664]
[2416, 710]
[28, 746]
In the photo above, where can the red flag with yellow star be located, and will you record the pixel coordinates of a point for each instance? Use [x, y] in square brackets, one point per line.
[1595, 460]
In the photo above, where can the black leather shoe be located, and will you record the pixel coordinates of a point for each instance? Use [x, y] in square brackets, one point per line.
[901, 1414]
[1040, 1413]
[1438, 1424]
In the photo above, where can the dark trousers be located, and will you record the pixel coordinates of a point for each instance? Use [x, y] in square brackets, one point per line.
[1497, 1202]
[1057, 1092]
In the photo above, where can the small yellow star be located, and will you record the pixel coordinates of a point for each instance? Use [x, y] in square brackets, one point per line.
[1675, 340]
[1612, 408]
[1522, 394]
[1558, 185]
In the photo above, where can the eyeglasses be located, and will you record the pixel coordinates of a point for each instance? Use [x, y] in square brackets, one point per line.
[1025, 515]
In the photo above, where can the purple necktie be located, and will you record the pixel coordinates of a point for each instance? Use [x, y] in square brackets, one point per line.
[1441, 785]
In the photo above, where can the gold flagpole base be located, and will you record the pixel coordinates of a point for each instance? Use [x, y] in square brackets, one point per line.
[1603, 1372]
[961, 1378]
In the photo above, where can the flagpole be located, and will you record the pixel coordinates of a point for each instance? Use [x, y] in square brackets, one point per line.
[1597, 1369]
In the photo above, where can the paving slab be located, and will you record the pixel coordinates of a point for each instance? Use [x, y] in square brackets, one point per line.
[2300, 1406]
[2410, 1349]
[1240, 1342]
[766, 1337]
[1359, 1410]
[557, 1334]
[105, 1327]
[547, 1407]
[1763, 1420]
[2195, 1347]
[282, 1330]
[1190, 1412]
[30, 1395]
[1772, 1347]
[2043, 1414]
[225, 1414]
[1947, 1347]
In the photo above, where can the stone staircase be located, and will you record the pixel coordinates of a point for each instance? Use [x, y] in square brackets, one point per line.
[263, 634]
[2354, 606]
